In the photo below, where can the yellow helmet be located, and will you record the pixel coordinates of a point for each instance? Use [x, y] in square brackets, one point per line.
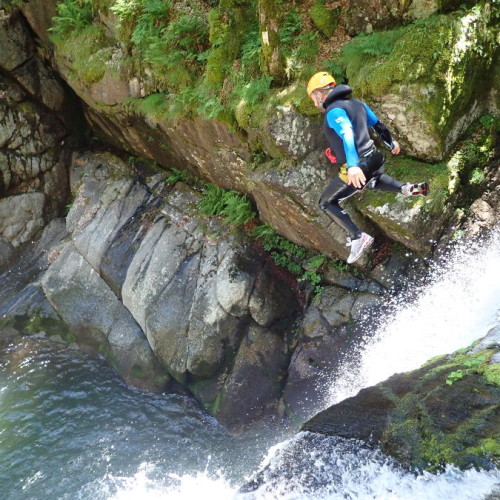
[318, 81]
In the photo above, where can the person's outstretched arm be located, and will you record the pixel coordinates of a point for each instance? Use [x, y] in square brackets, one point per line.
[381, 130]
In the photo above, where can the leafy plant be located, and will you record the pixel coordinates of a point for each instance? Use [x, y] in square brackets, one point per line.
[454, 376]
[292, 257]
[176, 176]
[233, 206]
[72, 15]
[471, 365]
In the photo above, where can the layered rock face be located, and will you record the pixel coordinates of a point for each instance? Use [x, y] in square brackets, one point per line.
[419, 92]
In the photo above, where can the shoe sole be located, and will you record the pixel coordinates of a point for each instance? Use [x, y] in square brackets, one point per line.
[363, 248]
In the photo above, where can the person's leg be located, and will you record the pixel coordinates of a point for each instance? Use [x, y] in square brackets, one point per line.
[335, 192]
[387, 183]
[373, 168]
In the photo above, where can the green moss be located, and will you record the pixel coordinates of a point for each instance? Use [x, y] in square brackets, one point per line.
[450, 54]
[470, 162]
[88, 53]
[491, 373]
[419, 432]
[409, 170]
[37, 323]
[324, 19]
[11, 5]
[488, 447]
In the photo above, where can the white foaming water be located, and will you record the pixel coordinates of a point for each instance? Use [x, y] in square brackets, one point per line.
[460, 304]
[315, 467]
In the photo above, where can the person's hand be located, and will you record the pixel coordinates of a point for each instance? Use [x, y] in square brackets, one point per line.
[396, 149]
[356, 177]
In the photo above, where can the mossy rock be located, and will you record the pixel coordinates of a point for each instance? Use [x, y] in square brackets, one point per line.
[446, 412]
[412, 221]
[429, 80]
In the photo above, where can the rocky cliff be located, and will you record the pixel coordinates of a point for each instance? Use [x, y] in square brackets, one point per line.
[101, 243]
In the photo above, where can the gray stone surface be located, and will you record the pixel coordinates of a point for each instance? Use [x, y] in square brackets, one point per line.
[7, 251]
[98, 320]
[490, 341]
[22, 217]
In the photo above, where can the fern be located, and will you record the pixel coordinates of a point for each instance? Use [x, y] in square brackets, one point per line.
[177, 176]
[375, 44]
[237, 209]
[72, 16]
[234, 207]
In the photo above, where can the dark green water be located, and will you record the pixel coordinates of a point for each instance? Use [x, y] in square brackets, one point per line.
[70, 428]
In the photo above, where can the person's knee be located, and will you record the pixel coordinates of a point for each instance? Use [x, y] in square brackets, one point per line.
[327, 205]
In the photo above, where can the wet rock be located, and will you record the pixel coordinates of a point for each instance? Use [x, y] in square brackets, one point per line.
[262, 361]
[99, 321]
[7, 251]
[444, 412]
[328, 332]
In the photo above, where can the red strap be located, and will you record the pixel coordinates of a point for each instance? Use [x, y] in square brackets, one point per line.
[330, 155]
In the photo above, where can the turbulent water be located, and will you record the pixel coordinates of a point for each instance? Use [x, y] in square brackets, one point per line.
[459, 304]
[70, 429]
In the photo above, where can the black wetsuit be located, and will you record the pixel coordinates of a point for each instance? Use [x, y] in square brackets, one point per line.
[347, 121]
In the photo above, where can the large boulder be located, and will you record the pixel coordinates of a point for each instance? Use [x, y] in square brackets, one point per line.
[328, 331]
[445, 412]
[99, 321]
[435, 81]
[208, 305]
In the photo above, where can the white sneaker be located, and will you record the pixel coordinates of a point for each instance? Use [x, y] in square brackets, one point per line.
[358, 246]
[421, 188]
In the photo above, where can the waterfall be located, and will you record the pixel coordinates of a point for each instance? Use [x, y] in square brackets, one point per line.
[459, 304]
[70, 429]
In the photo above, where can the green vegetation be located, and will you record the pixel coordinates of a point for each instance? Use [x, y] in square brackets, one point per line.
[430, 50]
[9, 5]
[37, 322]
[471, 159]
[418, 432]
[177, 176]
[324, 19]
[305, 265]
[234, 207]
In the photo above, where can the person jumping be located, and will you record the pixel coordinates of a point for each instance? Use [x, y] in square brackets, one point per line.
[347, 124]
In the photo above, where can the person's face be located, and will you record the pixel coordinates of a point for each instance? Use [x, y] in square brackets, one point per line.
[318, 97]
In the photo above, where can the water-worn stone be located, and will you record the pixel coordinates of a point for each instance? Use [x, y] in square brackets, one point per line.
[327, 333]
[99, 321]
[444, 412]
[7, 251]
[99, 209]
[22, 217]
[194, 294]
[261, 362]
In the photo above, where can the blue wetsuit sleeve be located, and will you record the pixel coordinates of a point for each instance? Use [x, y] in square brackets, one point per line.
[338, 120]
[372, 117]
